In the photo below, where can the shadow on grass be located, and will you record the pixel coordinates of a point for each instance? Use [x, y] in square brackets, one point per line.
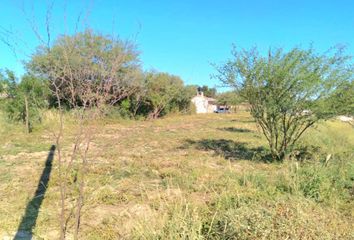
[29, 219]
[229, 149]
[234, 129]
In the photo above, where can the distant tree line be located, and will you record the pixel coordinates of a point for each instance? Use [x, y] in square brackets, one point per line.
[92, 58]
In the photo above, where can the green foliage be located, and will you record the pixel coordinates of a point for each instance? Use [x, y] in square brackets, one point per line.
[230, 99]
[7, 84]
[159, 94]
[310, 183]
[33, 90]
[342, 99]
[90, 69]
[124, 108]
[83, 66]
[325, 182]
[182, 103]
[288, 91]
[165, 93]
[208, 91]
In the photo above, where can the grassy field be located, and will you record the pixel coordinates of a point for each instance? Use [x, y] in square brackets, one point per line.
[188, 177]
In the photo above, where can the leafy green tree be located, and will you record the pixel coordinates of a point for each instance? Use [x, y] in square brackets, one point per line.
[207, 91]
[26, 101]
[342, 99]
[83, 66]
[162, 90]
[230, 98]
[184, 99]
[287, 91]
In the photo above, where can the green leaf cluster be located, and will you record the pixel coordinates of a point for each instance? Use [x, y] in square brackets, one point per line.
[288, 91]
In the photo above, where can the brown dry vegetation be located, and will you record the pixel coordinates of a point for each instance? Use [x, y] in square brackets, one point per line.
[188, 177]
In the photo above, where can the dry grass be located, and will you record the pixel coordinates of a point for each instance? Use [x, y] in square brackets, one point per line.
[187, 177]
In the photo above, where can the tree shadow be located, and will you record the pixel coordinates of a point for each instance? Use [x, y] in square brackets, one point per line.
[230, 150]
[29, 219]
[234, 129]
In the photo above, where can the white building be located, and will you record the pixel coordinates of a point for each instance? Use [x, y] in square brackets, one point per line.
[204, 104]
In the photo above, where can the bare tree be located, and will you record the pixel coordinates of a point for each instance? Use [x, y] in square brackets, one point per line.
[87, 72]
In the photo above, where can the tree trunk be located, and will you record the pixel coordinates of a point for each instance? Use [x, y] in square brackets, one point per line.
[79, 204]
[80, 200]
[155, 114]
[27, 116]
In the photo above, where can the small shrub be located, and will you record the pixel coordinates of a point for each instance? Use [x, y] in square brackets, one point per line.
[310, 183]
[307, 153]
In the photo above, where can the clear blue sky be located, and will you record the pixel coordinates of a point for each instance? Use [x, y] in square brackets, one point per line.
[183, 37]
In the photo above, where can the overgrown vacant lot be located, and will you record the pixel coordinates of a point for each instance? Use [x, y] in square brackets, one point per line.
[188, 177]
